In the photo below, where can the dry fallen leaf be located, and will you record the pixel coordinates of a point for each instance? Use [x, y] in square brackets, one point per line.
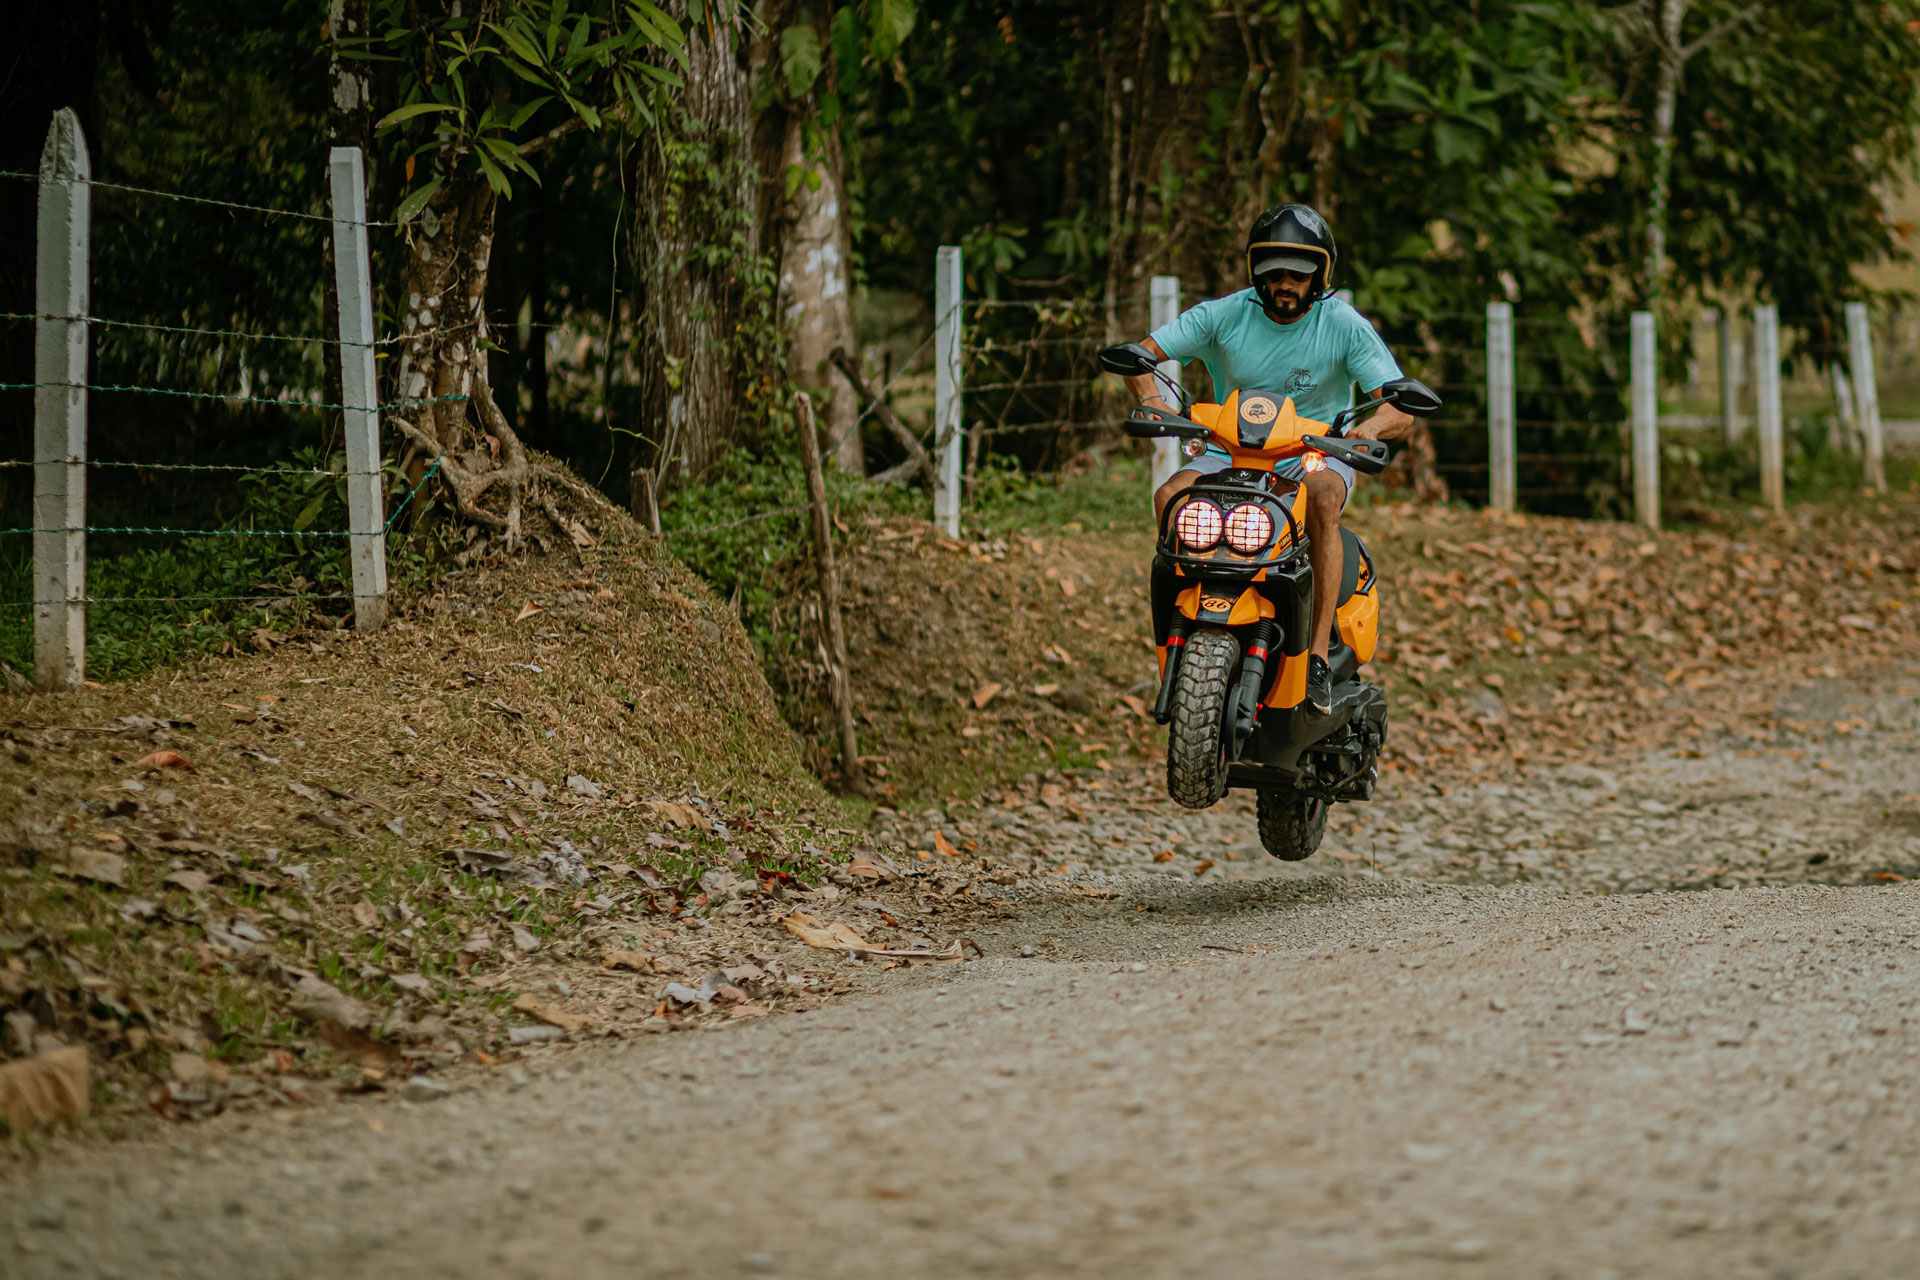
[1165, 855]
[97, 865]
[834, 937]
[553, 1015]
[627, 960]
[164, 760]
[191, 881]
[680, 815]
[44, 1090]
[366, 915]
[985, 694]
[749, 1011]
[527, 610]
[944, 845]
[841, 937]
[873, 866]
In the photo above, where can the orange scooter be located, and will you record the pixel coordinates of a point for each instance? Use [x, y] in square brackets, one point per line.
[1233, 610]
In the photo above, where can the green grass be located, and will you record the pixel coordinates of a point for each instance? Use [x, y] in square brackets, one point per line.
[163, 600]
[1006, 500]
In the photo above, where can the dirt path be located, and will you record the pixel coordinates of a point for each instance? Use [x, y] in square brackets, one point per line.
[1461, 1050]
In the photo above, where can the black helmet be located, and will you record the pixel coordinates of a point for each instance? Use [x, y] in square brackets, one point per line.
[1292, 237]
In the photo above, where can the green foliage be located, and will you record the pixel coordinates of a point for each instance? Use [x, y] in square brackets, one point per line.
[744, 527]
[1007, 500]
[1703, 476]
[1790, 123]
[483, 84]
[800, 58]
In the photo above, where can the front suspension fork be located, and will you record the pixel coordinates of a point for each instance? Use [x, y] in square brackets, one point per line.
[1176, 649]
[1253, 669]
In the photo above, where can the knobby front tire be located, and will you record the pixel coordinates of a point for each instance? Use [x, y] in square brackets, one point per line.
[1197, 739]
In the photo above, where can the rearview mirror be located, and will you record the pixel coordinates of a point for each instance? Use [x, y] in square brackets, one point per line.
[1128, 359]
[1411, 396]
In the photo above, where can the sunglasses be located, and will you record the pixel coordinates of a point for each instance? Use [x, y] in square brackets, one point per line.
[1297, 277]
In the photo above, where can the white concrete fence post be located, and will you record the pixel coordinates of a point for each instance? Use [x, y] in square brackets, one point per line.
[1164, 305]
[1502, 461]
[947, 295]
[353, 273]
[1730, 353]
[1646, 422]
[1866, 390]
[1768, 426]
[60, 407]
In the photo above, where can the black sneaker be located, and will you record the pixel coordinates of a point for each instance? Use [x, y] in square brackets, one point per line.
[1319, 686]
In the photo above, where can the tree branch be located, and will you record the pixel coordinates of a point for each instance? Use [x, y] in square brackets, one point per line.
[1714, 32]
[917, 459]
[566, 128]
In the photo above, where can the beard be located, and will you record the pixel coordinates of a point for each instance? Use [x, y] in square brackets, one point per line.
[1285, 306]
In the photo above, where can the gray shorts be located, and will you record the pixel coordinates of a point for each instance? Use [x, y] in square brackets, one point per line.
[1215, 460]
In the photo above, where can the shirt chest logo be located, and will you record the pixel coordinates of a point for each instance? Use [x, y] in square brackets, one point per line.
[1299, 382]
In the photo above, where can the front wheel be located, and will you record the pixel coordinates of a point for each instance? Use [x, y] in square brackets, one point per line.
[1197, 734]
[1291, 825]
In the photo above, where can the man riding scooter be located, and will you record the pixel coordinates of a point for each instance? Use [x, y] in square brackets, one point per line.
[1286, 333]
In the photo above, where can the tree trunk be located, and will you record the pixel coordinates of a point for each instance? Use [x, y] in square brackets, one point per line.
[695, 241]
[443, 373]
[1666, 97]
[816, 295]
[809, 232]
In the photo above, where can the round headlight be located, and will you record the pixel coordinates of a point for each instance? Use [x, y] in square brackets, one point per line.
[1198, 524]
[1248, 527]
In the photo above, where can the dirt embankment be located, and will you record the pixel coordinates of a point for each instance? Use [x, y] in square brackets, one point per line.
[352, 859]
[1507, 643]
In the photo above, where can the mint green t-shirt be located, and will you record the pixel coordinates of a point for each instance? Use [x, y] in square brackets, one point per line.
[1316, 359]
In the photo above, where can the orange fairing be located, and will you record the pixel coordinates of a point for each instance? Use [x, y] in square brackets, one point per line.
[1250, 607]
[1290, 686]
[1359, 620]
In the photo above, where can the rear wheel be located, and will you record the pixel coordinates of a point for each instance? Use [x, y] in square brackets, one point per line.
[1196, 738]
[1291, 825]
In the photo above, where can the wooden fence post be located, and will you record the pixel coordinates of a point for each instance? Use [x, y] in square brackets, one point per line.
[947, 295]
[1502, 462]
[1164, 308]
[1866, 389]
[60, 407]
[1646, 422]
[366, 521]
[1767, 423]
[838, 678]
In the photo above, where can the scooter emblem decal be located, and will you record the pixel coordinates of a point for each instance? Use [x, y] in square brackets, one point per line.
[1215, 604]
[1259, 410]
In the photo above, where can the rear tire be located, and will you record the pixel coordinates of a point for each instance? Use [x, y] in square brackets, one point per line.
[1291, 825]
[1197, 736]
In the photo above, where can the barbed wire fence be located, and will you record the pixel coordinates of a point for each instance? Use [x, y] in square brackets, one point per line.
[59, 601]
[1548, 412]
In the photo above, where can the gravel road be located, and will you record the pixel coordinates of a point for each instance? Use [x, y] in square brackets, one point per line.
[1474, 1046]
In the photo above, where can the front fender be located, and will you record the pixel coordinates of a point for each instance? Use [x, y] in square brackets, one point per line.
[1201, 603]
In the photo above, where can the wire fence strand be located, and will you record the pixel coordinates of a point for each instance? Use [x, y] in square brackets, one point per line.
[215, 395]
[206, 200]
